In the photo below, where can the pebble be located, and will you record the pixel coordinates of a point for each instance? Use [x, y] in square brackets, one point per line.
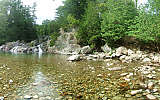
[115, 68]
[134, 92]
[10, 81]
[34, 84]
[124, 74]
[27, 97]
[35, 97]
[1, 98]
[151, 97]
[150, 85]
[104, 98]
[57, 98]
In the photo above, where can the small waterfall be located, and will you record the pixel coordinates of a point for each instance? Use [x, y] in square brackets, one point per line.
[40, 51]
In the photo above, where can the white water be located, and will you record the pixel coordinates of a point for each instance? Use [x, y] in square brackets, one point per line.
[40, 51]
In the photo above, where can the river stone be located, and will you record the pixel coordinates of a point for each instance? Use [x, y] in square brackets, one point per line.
[1, 98]
[151, 97]
[130, 52]
[35, 97]
[115, 68]
[85, 50]
[120, 51]
[146, 60]
[150, 85]
[106, 48]
[74, 58]
[27, 97]
[134, 92]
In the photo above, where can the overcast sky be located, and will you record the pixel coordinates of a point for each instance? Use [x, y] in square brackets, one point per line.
[46, 9]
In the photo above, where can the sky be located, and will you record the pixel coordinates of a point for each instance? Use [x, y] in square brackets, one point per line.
[46, 9]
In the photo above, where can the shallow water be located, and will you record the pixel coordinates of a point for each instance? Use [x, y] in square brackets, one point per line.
[47, 77]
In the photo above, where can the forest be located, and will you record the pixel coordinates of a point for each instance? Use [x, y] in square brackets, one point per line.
[97, 22]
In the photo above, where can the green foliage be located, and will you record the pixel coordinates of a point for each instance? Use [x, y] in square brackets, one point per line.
[17, 21]
[146, 27]
[116, 19]
[89, 29]
[72, 22]
[53, 38]
[48, 28]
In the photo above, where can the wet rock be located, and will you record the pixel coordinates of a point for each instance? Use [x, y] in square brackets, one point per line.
[120, 51]
[104, 98]
[10, 81]
[146, 60]
[115, 68]
[124, 74]
[74, 58]
[86, 50]
[35, 97]
[151, 76]
[1, 98]
[106, 48]
[150, 85]
[94, 56]
[19, 49]
[27, 97]
[142, 85]
[127, 95]
[151, 97]
[34, 84]
[134, 92]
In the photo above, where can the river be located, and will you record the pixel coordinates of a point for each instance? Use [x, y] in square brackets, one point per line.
[51, 77]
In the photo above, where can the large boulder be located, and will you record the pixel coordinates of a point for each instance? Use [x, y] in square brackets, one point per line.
[106, 48]
[86, 50]
[74, 58]
[121, 51]
[19, 49]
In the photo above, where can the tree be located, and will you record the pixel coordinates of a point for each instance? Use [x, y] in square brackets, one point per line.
[116, 19]
[17, 21]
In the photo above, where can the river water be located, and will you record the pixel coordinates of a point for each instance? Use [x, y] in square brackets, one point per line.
[51, 77]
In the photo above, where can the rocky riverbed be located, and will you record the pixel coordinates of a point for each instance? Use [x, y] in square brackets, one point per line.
[49, 77]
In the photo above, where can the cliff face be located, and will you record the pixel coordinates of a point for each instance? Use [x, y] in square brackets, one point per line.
[65, 44]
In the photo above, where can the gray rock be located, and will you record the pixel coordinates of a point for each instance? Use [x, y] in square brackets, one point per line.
[1, 98]
[106, 48]
[120, 51]
[74, 58]
[85, 50]
[134, 92]
[27, 97]
[19, 49]
[150, 85]
[151, 97]
[130, 52]
[115, 68]
[146, 60]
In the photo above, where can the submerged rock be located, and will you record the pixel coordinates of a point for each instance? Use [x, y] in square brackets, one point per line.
[146, 60]
[27, 97]
[134, 92]
[115, 68]
[151, 97]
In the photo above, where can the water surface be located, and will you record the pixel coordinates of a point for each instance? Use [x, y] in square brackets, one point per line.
[49, 76]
